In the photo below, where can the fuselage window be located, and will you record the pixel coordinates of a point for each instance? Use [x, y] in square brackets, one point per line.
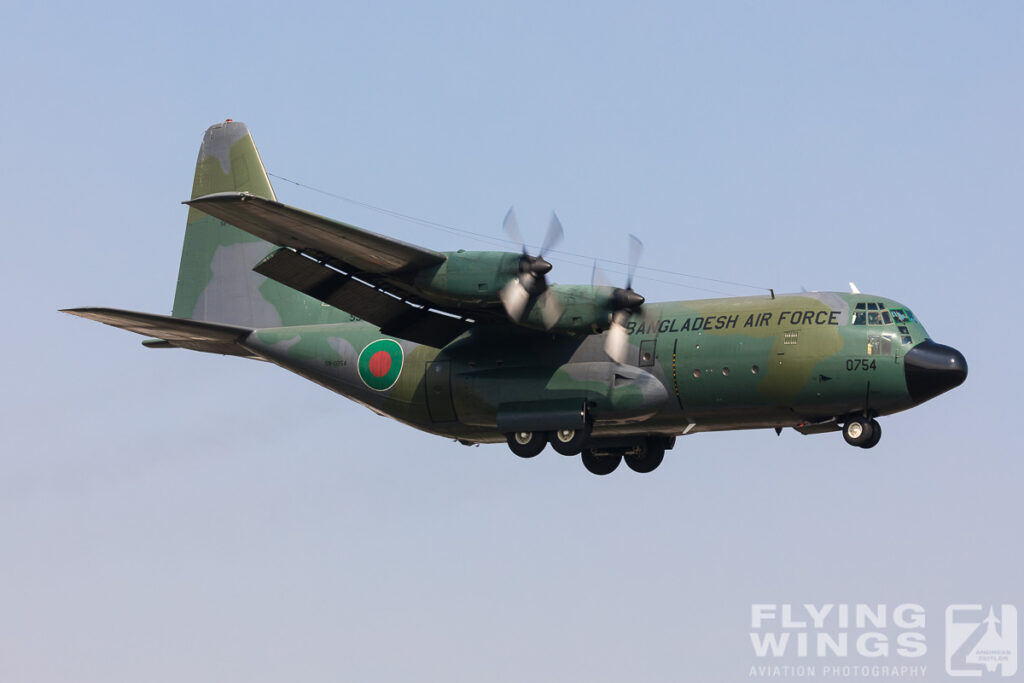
[647, 352]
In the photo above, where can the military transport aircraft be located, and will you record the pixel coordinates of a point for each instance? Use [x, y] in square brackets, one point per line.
[479, 347]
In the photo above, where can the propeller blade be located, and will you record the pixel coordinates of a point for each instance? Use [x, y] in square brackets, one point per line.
[636, 247]
[551, 309]
[554, 234]
[616, 344]
[514, 297]
[598, 278]
[511, 227]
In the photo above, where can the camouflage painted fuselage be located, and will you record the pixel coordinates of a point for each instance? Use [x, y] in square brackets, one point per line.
[444, 351]
[746, 362]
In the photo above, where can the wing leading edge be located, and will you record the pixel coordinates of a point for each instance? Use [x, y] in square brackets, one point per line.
[360, 250]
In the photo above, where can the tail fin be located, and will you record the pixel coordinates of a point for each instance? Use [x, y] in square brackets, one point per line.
[215, 280]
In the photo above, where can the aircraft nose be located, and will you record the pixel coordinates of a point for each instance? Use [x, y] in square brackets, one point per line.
[933, 368]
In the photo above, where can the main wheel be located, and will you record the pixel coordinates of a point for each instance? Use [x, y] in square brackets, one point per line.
[526, 444]
[600, 464]
[858, 431]
[876, 435]
[569, 441]
[649, 460]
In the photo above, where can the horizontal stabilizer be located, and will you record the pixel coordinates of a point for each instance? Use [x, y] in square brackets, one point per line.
[352, 248]
[177, 332]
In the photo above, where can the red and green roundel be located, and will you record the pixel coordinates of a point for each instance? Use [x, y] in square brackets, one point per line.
[380, 364]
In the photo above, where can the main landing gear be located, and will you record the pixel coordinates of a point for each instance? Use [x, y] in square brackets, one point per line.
[642, 454]
[862, 432]
[643, 457]
[564, 441]
[526, 444]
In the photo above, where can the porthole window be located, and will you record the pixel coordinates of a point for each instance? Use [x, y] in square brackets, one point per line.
[755, 370]
[697, 373]
[647, 352]
[725, 371]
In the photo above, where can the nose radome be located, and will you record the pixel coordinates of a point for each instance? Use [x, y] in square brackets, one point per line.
[932, 369]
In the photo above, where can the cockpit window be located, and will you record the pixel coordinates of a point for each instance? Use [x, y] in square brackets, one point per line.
[875, 313]
[902, 315]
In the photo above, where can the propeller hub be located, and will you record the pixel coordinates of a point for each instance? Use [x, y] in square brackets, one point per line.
[540, 266]
[627, 299]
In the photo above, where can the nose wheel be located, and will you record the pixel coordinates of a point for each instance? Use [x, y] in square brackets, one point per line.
[862, 432]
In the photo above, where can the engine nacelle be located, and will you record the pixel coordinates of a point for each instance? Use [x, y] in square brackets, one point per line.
[586, 310]
[469, 277]
[476, 278]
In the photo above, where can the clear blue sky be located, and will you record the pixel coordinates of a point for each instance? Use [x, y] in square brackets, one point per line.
[169, 516]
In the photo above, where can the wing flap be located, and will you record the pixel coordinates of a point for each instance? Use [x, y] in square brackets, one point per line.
[286, 226]
[395, 316]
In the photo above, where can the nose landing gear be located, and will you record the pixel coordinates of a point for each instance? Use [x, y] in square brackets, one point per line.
[862, 432]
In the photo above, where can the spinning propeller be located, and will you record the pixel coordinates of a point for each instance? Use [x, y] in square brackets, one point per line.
[531, 284]
[625, 304]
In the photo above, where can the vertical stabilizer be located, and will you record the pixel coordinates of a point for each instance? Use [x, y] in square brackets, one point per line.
[215, 280]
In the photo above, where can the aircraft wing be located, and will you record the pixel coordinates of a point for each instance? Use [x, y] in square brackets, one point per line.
[374, 299]
[354, 270]
[354, 249]
[197, 335]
